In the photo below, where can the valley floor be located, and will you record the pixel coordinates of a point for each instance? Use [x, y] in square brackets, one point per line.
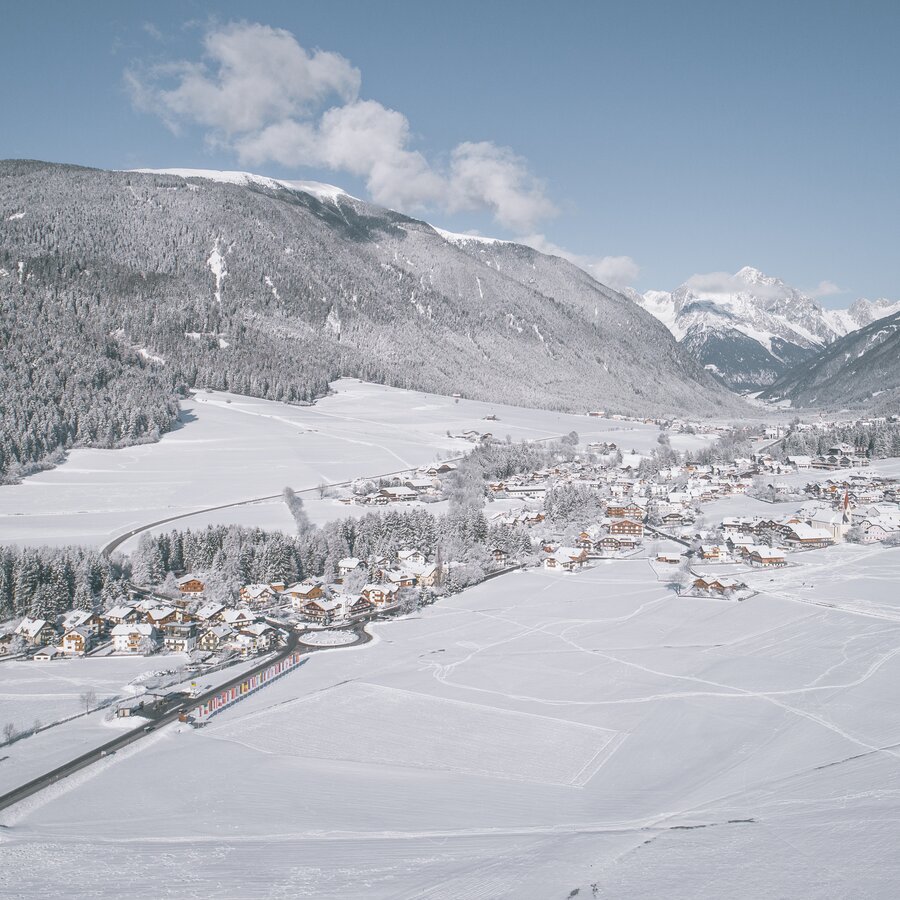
[232, 448]
[537, 734]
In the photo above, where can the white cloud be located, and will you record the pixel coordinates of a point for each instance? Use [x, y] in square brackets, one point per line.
[258, 92]
[826, 289]
[615, 271]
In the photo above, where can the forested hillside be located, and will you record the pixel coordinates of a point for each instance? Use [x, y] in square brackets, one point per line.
[121, 290]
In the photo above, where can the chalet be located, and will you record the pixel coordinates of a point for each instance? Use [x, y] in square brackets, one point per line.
[500, 555]
[215, 638]
[77, 641]
[674, 519]
[258, 594]
[766, 557]
[379, 594]
[718, 585]
[670, 559]
[322, 611]
[802, 535]
[209, 612]
[237, 618]
[46, 654]
[119, 615]
[191, 584]
[80, 618]
[626, 511]
[356, 607]
[304, 591]
[566, 559]
[257, 638]
[160, 616]
[427, 575]
[585, 542]
[713, 552]
[413, 557]
[135, 638]
[347, 565]
[627, 526]
[398, 494]
[399, 579]
[180, 637]
[36, 632]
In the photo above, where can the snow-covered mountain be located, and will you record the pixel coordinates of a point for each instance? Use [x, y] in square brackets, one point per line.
[750, 328]
[149, 283]
[861, 313]
[861, 369]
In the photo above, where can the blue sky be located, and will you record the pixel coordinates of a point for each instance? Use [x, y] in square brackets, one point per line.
[688, 137]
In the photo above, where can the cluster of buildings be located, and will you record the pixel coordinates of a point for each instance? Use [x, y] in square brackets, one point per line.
[148, 624]
[423, 483]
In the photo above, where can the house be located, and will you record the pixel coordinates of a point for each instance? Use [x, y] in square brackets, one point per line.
[215, 637]
[36, 632]
[322, 611]
[121, 614]
[160, 616]
[766, 557]
[399, 579]
[627, 526]
[80, 618]
[347, 565]
[566, 559]
[356, 606]
[77, 641]
[46, 654]
[713, 552]
[808, 536]
[180, 637]
[304, 591]
[381, 594]
[398, 494]
[210, 612]
[258, 594]
[413, 557]
[257, 638]
[238, 619]
[135, 638]
[191, 584]
[671, 559]
[427, 575]
[718, 585]
[628, 511]
[500, 555]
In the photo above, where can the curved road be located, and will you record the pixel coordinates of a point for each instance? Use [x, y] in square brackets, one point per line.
[116, 542]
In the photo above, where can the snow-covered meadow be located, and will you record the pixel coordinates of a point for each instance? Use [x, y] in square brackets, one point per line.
[539, 733]
[232, 448]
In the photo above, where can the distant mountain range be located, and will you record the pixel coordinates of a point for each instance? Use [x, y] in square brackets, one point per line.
[750, 329]
[860, 370]
[273, 288]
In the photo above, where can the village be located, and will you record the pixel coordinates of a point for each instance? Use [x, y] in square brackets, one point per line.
[638, 511]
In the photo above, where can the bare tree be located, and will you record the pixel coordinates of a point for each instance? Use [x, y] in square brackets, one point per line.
[9, 732]
[88, 699]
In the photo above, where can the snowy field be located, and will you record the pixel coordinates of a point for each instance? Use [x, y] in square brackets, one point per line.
[232, 448]
[537, 734]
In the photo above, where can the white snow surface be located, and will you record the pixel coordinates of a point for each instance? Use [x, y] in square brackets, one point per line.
[231, 448]
[529, 737]
[317, 189]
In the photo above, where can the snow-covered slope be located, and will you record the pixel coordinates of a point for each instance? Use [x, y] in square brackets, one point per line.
[304, 283]
[861, 369]
[861, 313]
[750, 328]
